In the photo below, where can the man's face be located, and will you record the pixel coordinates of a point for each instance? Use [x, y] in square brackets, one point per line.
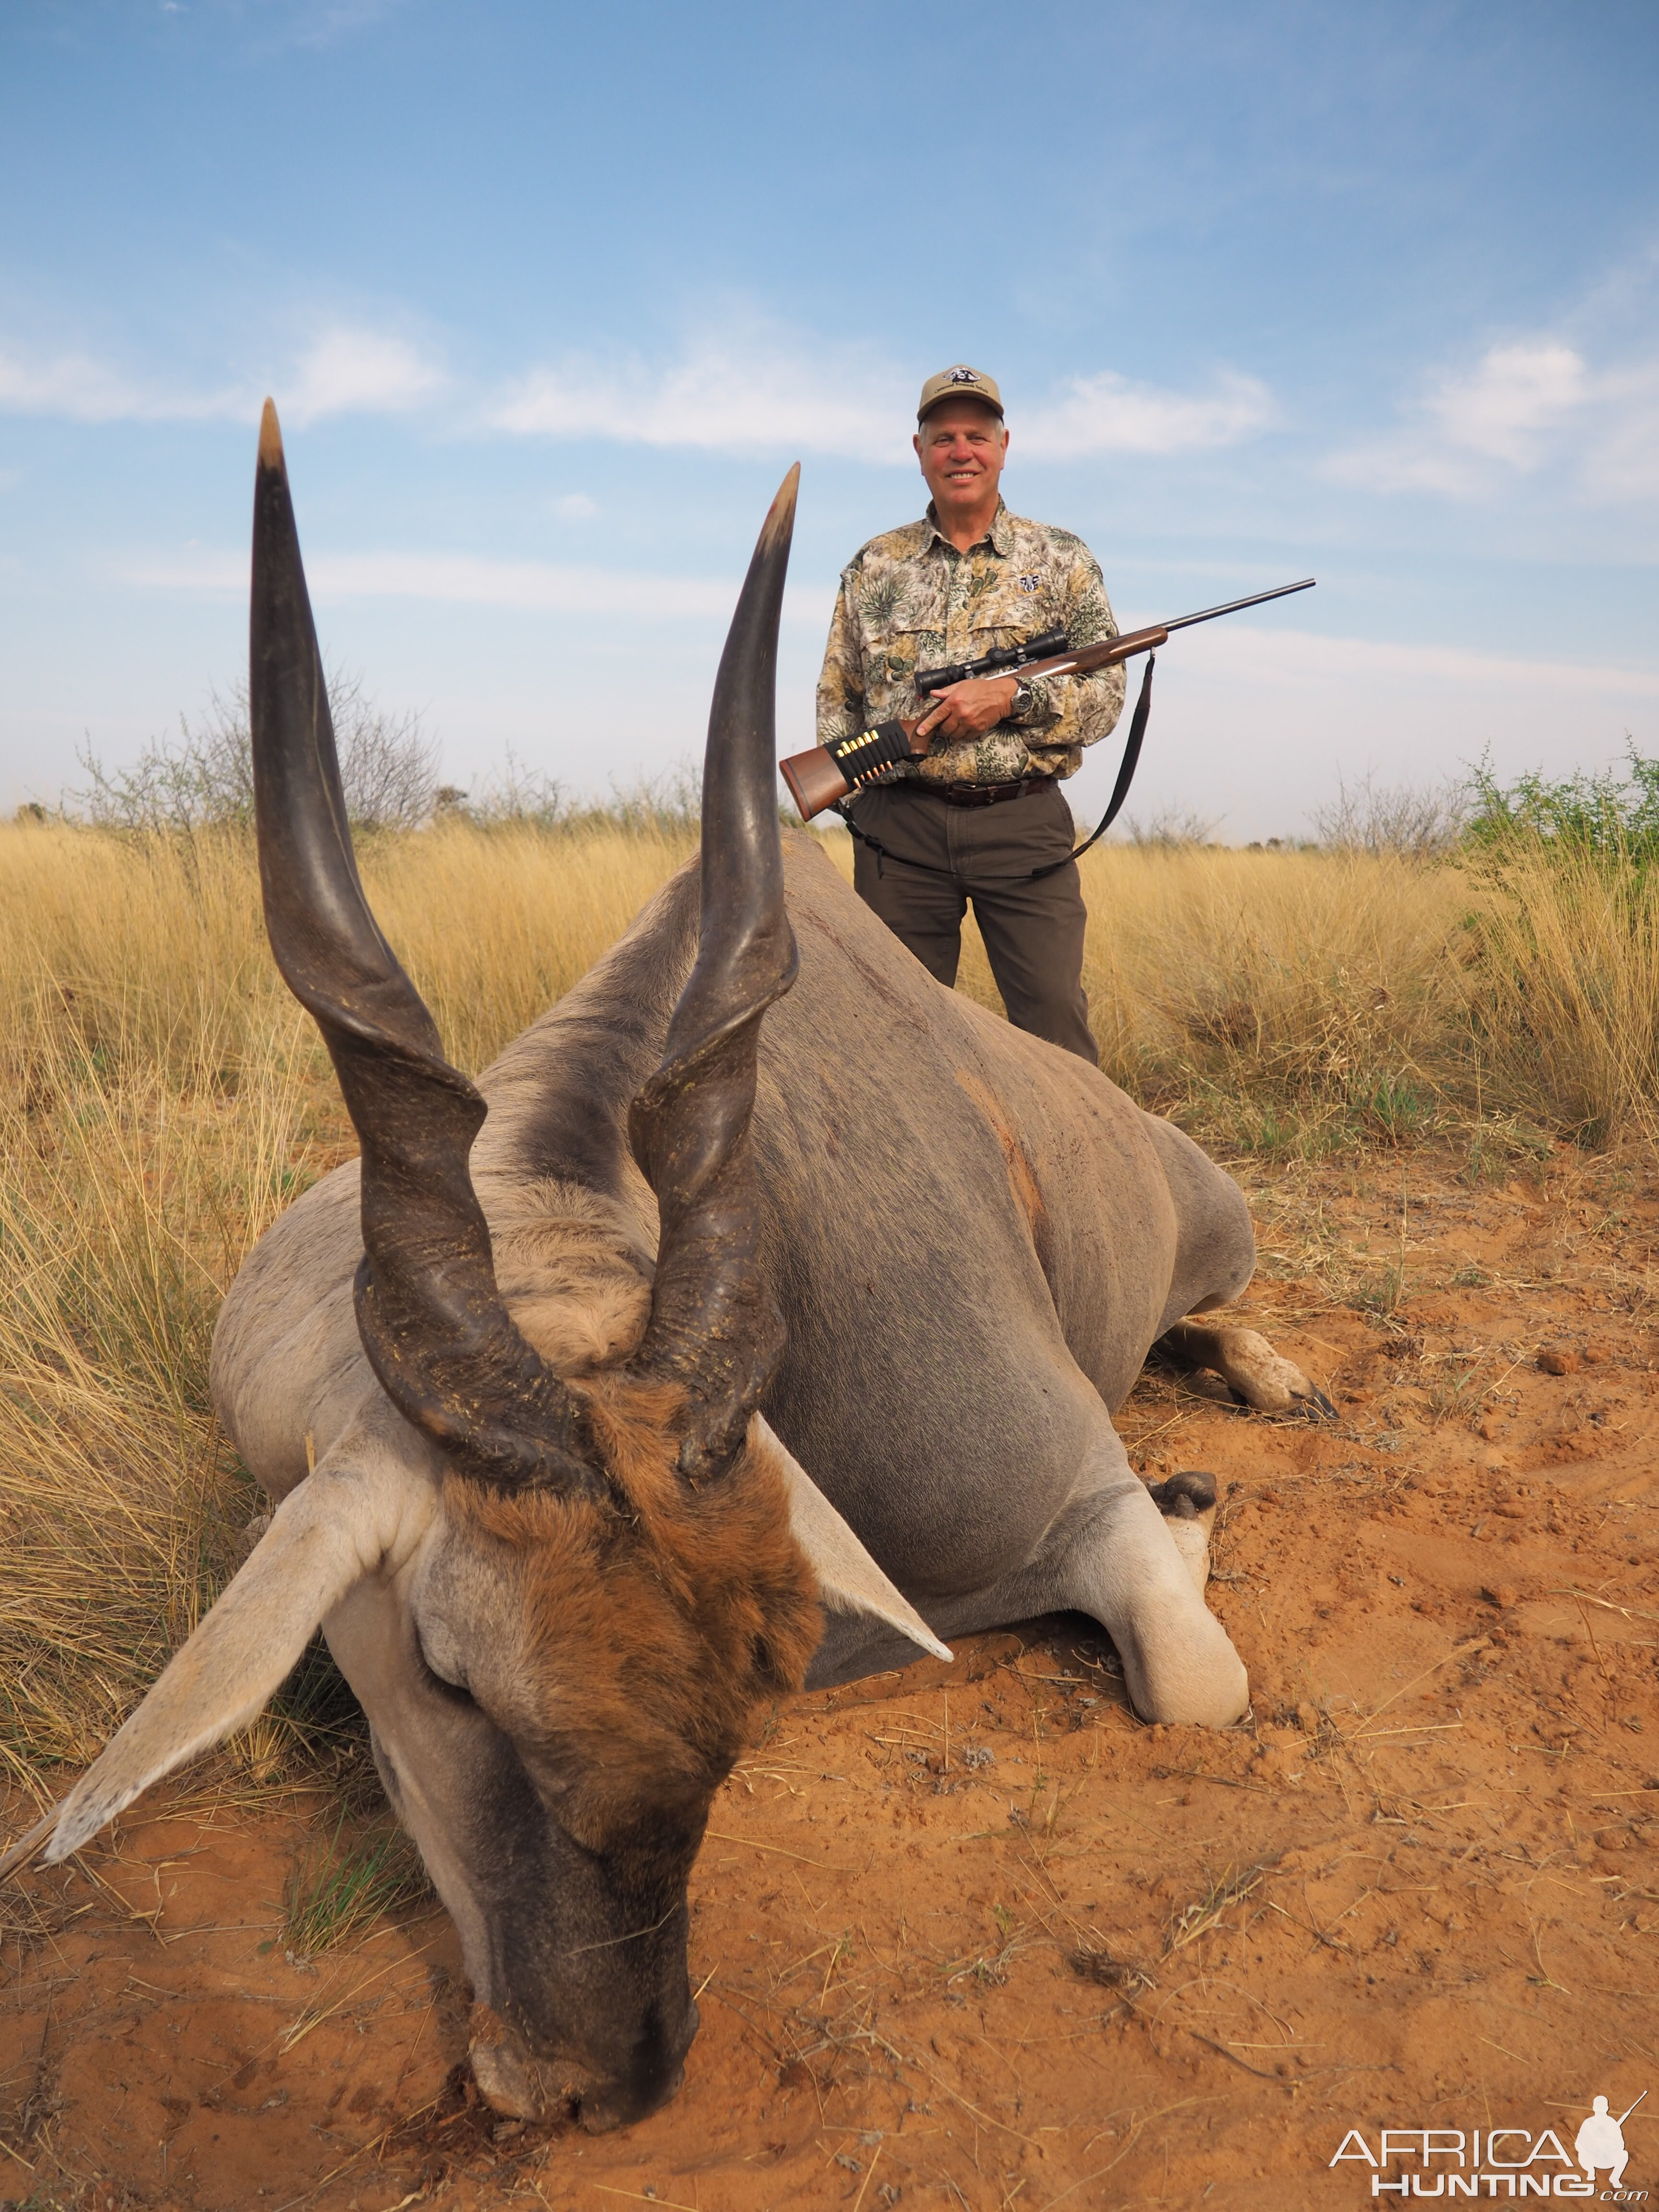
[962, 446]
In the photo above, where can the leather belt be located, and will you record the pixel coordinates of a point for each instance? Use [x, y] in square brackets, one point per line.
[993, 795]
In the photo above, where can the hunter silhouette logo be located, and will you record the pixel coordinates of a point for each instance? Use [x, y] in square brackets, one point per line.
[1600, 2142]
[1510, 2162]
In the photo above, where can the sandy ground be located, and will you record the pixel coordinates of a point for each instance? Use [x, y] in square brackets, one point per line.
[973, 1935]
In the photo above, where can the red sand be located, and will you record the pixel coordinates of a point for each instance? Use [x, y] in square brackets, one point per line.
[974, 1935]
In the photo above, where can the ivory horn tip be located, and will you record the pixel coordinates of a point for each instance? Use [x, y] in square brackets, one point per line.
[781, 517]
[270, 437]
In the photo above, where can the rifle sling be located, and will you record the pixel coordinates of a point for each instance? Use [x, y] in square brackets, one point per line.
[1125, 776]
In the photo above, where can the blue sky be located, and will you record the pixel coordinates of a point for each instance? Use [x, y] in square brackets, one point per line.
[549, 296]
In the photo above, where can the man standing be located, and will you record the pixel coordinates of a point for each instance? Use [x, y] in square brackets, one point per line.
[979, 815]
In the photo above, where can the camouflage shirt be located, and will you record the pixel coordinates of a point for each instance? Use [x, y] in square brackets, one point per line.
[909, 599]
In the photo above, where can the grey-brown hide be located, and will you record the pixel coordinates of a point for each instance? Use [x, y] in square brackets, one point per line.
[975, 1239]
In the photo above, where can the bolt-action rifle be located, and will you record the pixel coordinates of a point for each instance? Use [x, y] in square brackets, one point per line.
[828, 773]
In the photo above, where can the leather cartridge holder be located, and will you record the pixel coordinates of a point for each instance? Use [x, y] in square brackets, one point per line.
[817, 779]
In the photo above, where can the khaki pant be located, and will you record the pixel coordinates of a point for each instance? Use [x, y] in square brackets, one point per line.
[1033, 932]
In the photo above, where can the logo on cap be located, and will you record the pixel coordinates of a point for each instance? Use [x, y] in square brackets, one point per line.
[959, 383]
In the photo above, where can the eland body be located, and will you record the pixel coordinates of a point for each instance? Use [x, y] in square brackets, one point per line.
[771, 1328]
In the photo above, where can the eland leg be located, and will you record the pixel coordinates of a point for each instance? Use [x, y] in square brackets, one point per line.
[1247, 1364]
[1188, 1505]
[1215, 1258]
[1134, 1559]
[1137, 1561]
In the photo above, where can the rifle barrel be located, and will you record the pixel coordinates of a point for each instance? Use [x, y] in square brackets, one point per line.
[1256, 599]
[1085, 659]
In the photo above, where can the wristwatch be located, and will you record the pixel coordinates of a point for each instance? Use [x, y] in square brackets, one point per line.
[1023, 699]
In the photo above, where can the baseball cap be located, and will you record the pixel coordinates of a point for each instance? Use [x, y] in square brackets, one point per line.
[959, 383]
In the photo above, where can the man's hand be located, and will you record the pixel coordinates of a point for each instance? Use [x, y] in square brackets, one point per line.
[967, 710]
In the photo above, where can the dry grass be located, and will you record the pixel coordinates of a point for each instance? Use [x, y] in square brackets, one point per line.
[161, 1098]
[153, 949]
[1259, 996]
[1562, 991]
[496, 924]
[1266, 999]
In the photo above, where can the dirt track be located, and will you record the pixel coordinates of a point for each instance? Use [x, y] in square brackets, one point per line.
[973, 1935]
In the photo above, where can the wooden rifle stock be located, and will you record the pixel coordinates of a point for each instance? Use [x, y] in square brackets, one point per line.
[815, 781]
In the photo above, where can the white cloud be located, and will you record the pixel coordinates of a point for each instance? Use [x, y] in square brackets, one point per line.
[1621, 460]
[1523, 407]
[760, 397]
[744, 390]
[470, 579]
[1106, 414]
[763, 393]
[345, 368]
[576, 506]
[534, 587]
[74, 385]
[1255, 719]
[1514, 395]
[1292, 658]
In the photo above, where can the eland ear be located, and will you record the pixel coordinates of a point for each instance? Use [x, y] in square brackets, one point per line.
[339, 1525]
[849, 1581]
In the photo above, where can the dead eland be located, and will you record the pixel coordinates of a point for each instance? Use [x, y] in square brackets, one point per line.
[769, 1327]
